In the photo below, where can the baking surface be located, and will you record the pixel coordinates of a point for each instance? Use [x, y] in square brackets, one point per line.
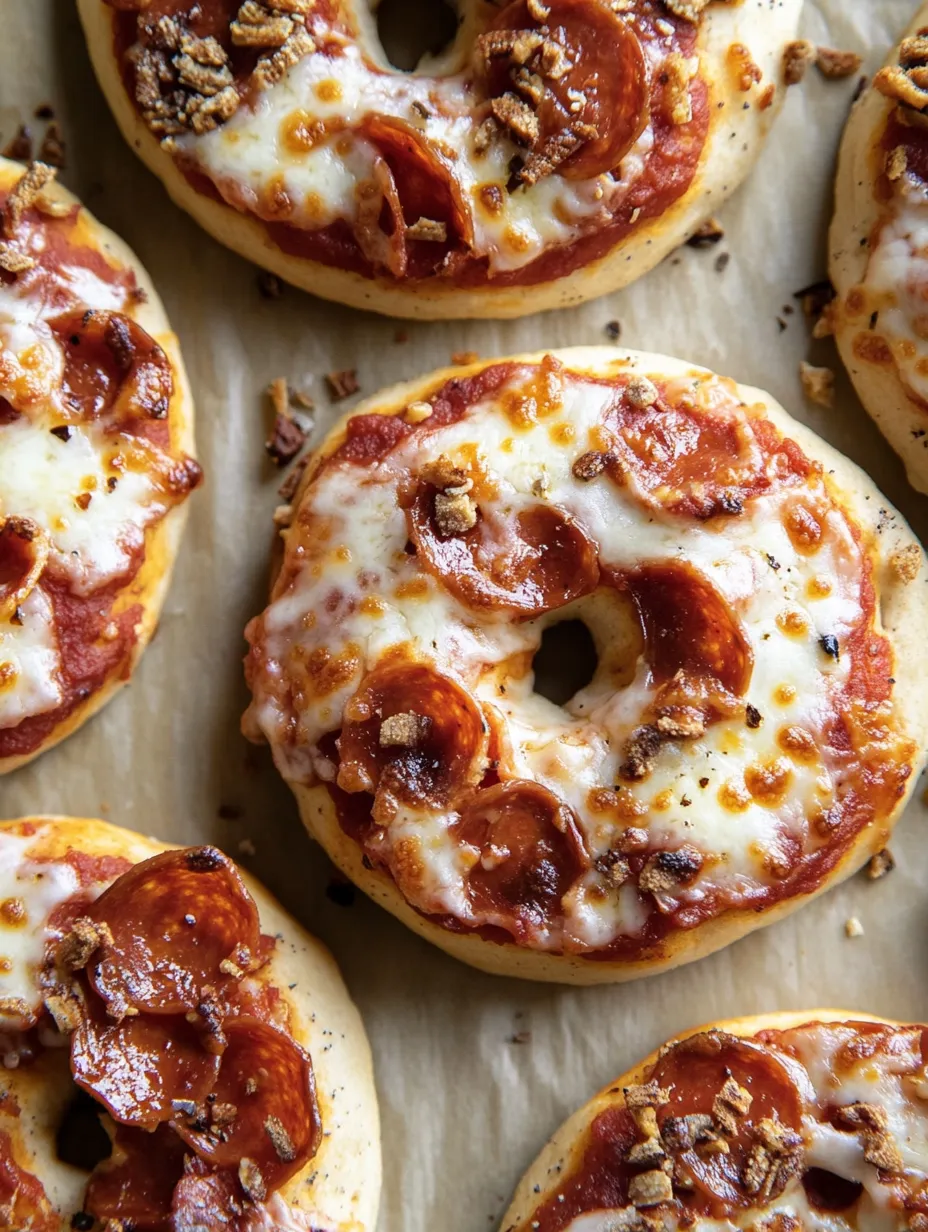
[474, 1072]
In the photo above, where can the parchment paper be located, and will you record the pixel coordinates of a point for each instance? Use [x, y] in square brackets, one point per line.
[464, 1107]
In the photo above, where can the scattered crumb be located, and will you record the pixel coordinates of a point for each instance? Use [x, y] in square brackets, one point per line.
[708, 234]
[818, 384]
[44, 111]
[247, 848]
[464, 357]
[287, 436]
[613, 330]
[342, 384]
[520, 1037]
[20, 146]
[797, 58]
[880, 865]
[721, 262]
[853, 927]
[401, 336]
[52, 150]
[269, 285]
[837, 64]
[287, 489]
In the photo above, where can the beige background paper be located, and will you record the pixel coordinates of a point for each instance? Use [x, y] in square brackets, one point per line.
[464, 1107]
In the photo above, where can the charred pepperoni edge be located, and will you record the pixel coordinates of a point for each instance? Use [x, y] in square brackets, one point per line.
[669, 172]
[173, 920]
[869, 792]
[137, 1183]
[88, 659]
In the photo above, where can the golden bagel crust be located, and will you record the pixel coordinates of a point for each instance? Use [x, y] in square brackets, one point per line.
[897, 411]
[162, 541]
[734, 140]
[340, 1186]
[904, 613]
[563, 1148]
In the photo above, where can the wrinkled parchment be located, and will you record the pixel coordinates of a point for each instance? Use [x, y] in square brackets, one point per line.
[465, 1107]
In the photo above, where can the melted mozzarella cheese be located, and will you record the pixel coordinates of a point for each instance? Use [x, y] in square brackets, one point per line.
[896, 282]
[259, 154]
[576, 749]
[29, 893]
[30, 665]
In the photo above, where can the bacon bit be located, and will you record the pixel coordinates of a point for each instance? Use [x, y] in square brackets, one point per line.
[677, 76]
[681, 726]
[66, 1009]
[837, 64]
[646, 1095]
[666, 871]
[288, 488]
[256, 27]
[591, 464]
[251, 1180]
[818, 384]
[455, 513]
[342, 384]
[798, 57]
[52, 149]
[441, 473]
[906, 562]
[13, 259]
[853, 927]
[708, 235]
[222, 1115]
[683, 1133]
[269, 285]
[81, 942]
[404, 730]
[870, 1122]
[774, 1160]
[280, 1139]
[650, 1188]
[429, 230]
[516, 45]
[486, 132]
[24, 195]
[516, 116]
[271, 69]
[19, 147]
[689, 10]
[880, 865]
[731, 1104]
[753, 716]
[640, 751]
[641, 392]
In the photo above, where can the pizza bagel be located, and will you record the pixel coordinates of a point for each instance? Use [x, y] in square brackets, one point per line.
[799, 1120]
[755, 720]
[96, 462]
[878, 250]
[554, 152]
[176, 1053]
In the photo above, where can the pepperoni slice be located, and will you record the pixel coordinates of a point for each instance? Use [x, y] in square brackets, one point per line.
[135, 1186]
[694, 1072]
[529, 563]
[701, 463]
[174, 920]
[530, 849]
[605, 67]
[379, 225]
[23, 557]
[688, 626]
[434, 745]
[262, 1108]
[23, 1201]
[137, 1067]
[113, 369]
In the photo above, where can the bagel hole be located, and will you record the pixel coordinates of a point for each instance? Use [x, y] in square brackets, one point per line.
[81, 1140]
[826, 1191]
[565, 662]
[411, 29]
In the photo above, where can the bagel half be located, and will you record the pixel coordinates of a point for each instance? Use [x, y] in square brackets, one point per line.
[534, 261]
[50, 862]
[370, 619]
[96, 345]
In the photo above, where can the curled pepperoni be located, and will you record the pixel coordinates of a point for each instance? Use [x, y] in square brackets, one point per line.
[206, 1201]
[602, 63]
[434, 746]
[113, 369]
[701, 462]
[180, 921]
[262, 1107]
[23, 1201]
[135, 1186]
[527, 563]
[688, 626]
[530, 853]
[137, 1067]
[23, 557]
[379, 224]
[694, 1072]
